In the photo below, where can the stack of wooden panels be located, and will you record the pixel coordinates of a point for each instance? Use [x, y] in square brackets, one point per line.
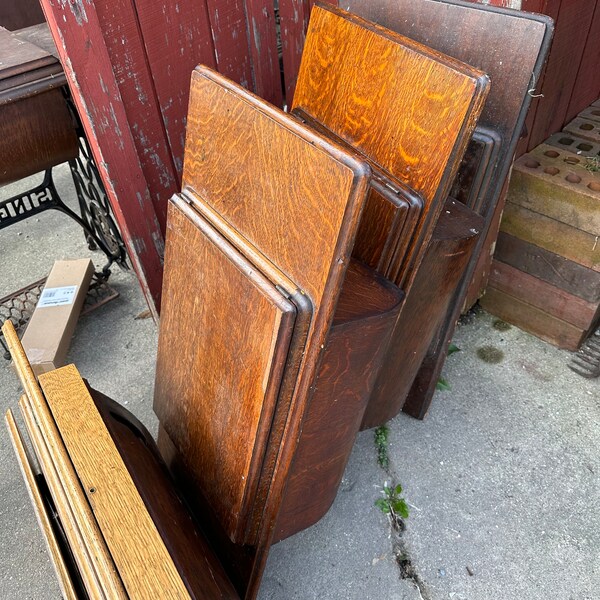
[546, 272]
[510, 47]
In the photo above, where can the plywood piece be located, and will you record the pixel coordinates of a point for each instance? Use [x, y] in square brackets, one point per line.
[89, 548]
[137, 549]
[25, 463]
[408, 108]
[218, 382]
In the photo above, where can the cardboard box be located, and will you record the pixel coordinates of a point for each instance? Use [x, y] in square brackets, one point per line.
[51, 327]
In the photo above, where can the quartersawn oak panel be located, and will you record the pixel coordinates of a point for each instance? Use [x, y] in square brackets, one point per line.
[218, 377]
[274, 181]
[135, 545]
[407, 107]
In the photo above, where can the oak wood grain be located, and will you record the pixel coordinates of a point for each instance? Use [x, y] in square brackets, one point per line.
[217, 382]
[407, 107]
[89, 548]
[426, 305]
[143, 562]
[25, 464]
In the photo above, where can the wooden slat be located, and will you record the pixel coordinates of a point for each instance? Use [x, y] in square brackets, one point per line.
[25, 464]
[406, 107]
[587, 85]
[266, 72]
[126, 48]
[89, 548]
[80, 43]
[139, 553]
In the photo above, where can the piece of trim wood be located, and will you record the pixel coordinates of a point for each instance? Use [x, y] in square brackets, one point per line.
[90, 551]
[25, 464]
[138, 551]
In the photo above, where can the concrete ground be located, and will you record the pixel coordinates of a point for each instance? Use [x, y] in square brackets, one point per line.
[502, 477]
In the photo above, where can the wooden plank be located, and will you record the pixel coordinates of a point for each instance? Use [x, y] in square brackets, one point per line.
[405, 106]
[547, 266]
[542, 295]
[177, 36]
[390, 216]
[219, 418]
[587, 85]
[532, 319]
[80, 43]
[574, 244]
[18, 56]
[135, 545]
[89, 548]
[25, 464]
[262, 31]
[126, 48]
[572, 26]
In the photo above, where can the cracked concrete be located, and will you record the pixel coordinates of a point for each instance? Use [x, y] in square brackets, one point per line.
[502, 477]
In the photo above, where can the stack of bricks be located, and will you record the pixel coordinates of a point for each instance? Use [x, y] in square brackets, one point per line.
[545, 277]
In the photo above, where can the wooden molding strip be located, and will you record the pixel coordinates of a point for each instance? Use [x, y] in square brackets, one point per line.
[64, 579]
[90, 551]
[143, 561]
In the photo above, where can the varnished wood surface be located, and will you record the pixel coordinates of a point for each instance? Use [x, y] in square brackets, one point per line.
[390, 217]
[479, 35]
[275, 182]
[85, 539]
[366, 312]
[547, 266]
[425, 307]
[25, 464]
[405, 106]
[196, 562]
[218, 381]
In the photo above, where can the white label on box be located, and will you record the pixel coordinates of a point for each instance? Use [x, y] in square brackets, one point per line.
[58, 296]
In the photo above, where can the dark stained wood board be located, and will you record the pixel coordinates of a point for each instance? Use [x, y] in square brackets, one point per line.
[536, 292]
[479, 34]
[426, 304]
[390, 216]
[549, 267]
[532, 319]
[365, 315]
[18, 56]
[16, 14]
[217, 382]
[406, 107]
